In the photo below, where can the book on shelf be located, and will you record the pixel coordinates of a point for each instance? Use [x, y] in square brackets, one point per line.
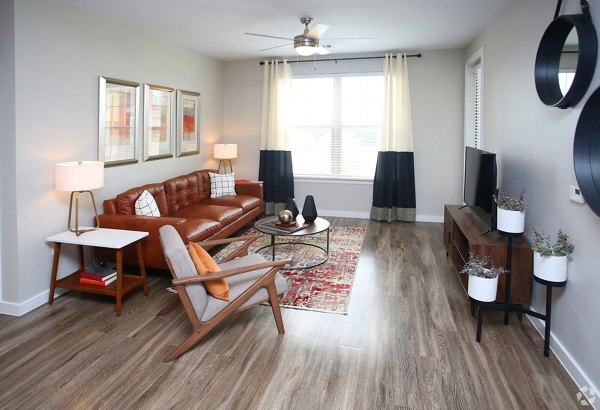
[97, 276]
[284, 228]
[101, 283]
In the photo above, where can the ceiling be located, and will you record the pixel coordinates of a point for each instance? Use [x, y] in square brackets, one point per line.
[215, 28]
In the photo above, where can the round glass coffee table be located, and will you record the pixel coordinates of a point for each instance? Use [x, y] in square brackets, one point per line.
[265, 225]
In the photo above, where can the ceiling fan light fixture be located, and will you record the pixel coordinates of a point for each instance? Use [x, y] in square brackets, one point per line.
[305, 50]
[305, 46]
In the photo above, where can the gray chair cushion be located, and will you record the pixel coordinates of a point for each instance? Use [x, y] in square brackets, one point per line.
[239, 283]
[183, 267]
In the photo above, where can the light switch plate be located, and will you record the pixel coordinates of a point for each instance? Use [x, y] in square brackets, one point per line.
[575, 194]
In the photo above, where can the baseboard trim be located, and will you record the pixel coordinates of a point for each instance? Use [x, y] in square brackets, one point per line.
[430, 218]
[367, 215]
[344, 214]
[19, 309]
[571, 366]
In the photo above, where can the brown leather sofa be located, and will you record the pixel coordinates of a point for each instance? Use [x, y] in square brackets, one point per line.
[185, 203]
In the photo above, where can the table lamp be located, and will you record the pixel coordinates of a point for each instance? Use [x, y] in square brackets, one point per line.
[79, 177]
[224, 153]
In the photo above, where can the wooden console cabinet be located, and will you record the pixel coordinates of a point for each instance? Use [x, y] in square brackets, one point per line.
[463, 234]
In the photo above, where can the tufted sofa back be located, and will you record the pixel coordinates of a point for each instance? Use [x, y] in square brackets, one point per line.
[125, 202]
[172, 195]
[186, 190]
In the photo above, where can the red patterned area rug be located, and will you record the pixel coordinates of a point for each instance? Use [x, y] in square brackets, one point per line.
[323, 288]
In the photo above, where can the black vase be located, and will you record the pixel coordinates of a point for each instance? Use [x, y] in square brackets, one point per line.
[309, 210]
[291, 206]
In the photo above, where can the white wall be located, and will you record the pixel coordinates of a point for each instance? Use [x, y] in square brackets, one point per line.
[59, 54]
[535, 146]
[8, 228]
[436, 86]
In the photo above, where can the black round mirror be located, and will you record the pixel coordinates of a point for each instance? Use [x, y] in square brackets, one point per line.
[566, 60]
[586, 152]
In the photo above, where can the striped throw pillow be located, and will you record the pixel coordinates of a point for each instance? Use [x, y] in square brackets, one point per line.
[221, 185]
[146, 205]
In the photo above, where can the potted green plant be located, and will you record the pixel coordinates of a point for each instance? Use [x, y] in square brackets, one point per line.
[511, 212]
[550, 259]
[483, 280]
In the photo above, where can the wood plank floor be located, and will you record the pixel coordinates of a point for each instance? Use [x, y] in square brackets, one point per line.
[408, 341]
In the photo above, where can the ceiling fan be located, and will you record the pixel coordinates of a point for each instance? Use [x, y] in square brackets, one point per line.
[307, 43]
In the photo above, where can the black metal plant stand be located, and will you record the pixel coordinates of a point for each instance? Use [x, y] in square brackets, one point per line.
[508, 306]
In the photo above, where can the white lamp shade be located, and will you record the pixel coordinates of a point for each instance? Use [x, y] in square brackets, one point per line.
[78, 176]
[225, 151]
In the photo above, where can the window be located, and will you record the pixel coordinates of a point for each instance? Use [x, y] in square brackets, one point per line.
[336, 122]
[474, 100]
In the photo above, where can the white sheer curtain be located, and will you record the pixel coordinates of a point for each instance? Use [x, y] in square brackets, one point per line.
[394, 181]
[276, 105]
[396, 129]
[275, 169]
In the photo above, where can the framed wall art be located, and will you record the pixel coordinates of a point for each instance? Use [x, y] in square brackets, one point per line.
[117, 121]
[158, 127]
[188, 123]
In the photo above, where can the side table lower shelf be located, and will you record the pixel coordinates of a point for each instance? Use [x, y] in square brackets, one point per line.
[129, 282]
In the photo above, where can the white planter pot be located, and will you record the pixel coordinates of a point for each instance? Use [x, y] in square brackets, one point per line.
[511, 221]
[483, 289]
[550, 268]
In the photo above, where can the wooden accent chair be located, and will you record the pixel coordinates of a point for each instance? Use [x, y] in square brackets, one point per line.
[252, 280]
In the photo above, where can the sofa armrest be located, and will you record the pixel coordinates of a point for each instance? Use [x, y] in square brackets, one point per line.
[249, 188]
[110, 206]
[149, 224]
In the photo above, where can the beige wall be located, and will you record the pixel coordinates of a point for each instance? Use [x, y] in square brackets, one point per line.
[60, 52]
[535, 144]
[436, 86]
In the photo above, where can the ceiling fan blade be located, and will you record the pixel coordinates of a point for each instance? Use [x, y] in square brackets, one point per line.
[317, 31]
[264, 35]
[322, 51]
[271, 48]
[347, 38]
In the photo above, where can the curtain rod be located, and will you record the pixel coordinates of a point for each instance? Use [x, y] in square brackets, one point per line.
[341, 59]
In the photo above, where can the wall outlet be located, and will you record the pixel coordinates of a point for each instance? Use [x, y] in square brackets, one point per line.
[575, 194]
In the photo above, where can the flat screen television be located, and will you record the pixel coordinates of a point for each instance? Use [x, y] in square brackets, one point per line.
[480, 185]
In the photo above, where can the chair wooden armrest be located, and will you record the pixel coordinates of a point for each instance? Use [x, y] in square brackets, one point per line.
[240, 251]
[230, 272]
[215, 242]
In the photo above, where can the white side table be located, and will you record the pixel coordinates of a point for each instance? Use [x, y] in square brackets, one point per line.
[116, 239]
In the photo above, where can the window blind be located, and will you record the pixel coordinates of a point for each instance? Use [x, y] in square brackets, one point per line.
[477, 129]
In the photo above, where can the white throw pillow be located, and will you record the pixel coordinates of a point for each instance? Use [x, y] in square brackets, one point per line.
[146, 205]
[221, 185]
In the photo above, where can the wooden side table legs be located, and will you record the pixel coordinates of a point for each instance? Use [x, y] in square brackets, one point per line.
[140, 254]
[119, 294]
[54, 271]
[120, 284]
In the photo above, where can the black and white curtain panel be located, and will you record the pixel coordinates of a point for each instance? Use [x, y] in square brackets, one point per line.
[394, 182]
[275, 168]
